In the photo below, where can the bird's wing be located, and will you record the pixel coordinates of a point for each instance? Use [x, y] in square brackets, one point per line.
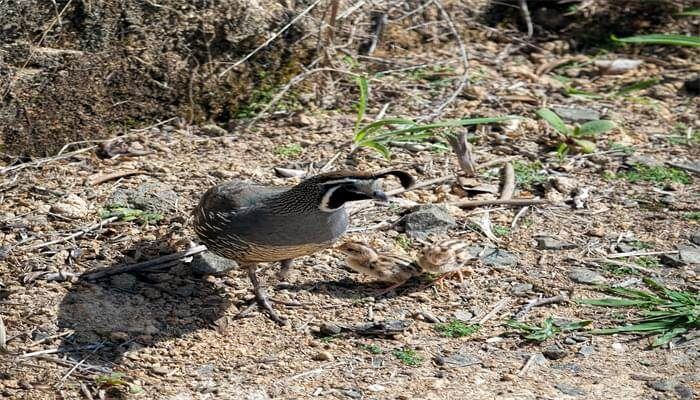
[236, 195]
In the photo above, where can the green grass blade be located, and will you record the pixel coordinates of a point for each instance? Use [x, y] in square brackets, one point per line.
[645, 84]
[586, 146]
[614, 302]
[362, 104]
[554, 121]
[668, 336]
[370, 128]
[377, 146]
[593, 128]
[692, 12]
[673, 40]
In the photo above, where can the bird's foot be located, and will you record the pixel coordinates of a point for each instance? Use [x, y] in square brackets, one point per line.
[262, 299]
[384, 291]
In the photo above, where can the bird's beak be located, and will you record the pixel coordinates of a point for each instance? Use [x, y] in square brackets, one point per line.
[379, 195]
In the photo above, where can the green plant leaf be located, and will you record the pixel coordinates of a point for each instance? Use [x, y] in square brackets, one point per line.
[362, 104]
[377, 146]
[370, 128]
[593, 128]
[613, 302]
[641, 85]
[668, 336]
[673, 40]
[691, 12]
[586, 146]
[554, 121]
[450, 124]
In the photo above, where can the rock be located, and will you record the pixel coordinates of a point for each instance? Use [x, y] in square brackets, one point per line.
[521, 289]
[150, 196]
[353, 393]
[463, 315]
[554, 352]
[647, 161]
[151, 293]
[302, 120]
[695, 237]
[208, 263]
[685, 392]
[623, 247]
[692, 85]
[72, 206]
[586, 350]
[323, 356]
[617, 66]
[569, 390]
[584, 275]
[118, 336]
[662, 385]
[329, 328]
[671, 260]
[569, 341]
[564, 185]
[689, 254]
[426, 220]
[159, 370]
[460, 360]
[493, 257]
[123, 281]
[576, 114]
[552, 243]
[376, 388]
[213, 130]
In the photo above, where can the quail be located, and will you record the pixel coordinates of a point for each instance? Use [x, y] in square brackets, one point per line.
[252, 224]
[444, 258]
[384, 267]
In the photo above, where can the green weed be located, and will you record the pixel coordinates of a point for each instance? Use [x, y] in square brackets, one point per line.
[647, 261]
[693, 215]
[408, 357]
[372, 348]
[575, 137]
[664, 312]
[529, 174]
[619, 270]
[456, 329]
[643, 173]
[627, 150]
[548, 329]
[116, 380]
[404, 242]
[290, 150]
[130, 214]
[500, 230]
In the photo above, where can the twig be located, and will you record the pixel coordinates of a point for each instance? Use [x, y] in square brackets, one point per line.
[76, 234]
[3, 337]
[102, 178]
[510, 202]
[273, 37]
[540, 302]
[640, 253]
[518, 216]
[332, 20]
[508, 182]
[66, 363]
[528, 364]
[465, 62]
[463, 152]
[689, 168]
[46, 339]
[496, 309]
[419, 185]
[145, 265]
[146, 128]
[59, 350]
[525, 11]
[44, 160]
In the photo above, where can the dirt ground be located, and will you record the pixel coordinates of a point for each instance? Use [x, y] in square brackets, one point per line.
[174, 334]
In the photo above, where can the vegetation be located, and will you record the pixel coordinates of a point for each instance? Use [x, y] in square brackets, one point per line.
[664, 312]
[529, 174]
[408, 357]
[290, 150]
[576, 137]
[655, 38]
[130, 214]
[547, 329]
[457, 329]
[372, 348]
[644, 173]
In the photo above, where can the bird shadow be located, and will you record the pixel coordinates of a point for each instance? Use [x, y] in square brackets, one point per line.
[350, 289]
[131, 310]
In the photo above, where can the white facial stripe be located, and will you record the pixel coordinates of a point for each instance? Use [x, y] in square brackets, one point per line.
[326, 198]
[337, 181]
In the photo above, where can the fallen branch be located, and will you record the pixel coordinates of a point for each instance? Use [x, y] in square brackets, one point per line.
[495, 310]
[97, 179]
[508, 187]
[463, 151]
[562, 298]
[510, 202]
[142, 266]
[76, 234]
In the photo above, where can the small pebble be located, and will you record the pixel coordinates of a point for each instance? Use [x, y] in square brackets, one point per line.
[323, 356]
[554, 352]
[375, 388]
[159, 370]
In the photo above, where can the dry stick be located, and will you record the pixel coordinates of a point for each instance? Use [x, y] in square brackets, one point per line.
[465, 62]
[3, 337]
[540, 302]
[528, 364]
[463, 152]
[332, 20]
[59, 350]
[640, 253]
[511, 202]
[268, 41]
[508, 182]
[44, 160]
[76, 234]
[496, 309]
[688, 168]
[102, 178]
[145, 265]
[525, 11]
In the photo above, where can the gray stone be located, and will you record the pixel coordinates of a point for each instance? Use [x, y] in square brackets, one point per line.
[150, 196]
[586, 350]
[689, 254]
[521, 289]
[623, 247]
[647, 161]
[584, 275]
[329, 328]
[464, 316]
[695, 237]
[685, 392]
[461, 360]
[662, 385]
[213, 130]
[123, 281]
[493, 257]
[570, 390]
[208, 263]
[426, 220]
[554, 352]
[569, 341]
[671, 260]
[552, 243]
[576, 114]
[353, 393]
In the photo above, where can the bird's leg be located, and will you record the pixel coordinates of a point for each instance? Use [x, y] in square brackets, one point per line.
[283, 273]
[261, 296]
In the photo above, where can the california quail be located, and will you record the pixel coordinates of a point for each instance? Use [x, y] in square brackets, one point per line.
[445, 258]
[382, 266]
[252, 223]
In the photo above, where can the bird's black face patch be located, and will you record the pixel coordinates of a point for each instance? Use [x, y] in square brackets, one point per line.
[336, 196]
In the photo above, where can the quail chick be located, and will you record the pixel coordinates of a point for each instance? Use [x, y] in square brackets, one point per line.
[384, 267]
[251, 223]
[445, 258]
